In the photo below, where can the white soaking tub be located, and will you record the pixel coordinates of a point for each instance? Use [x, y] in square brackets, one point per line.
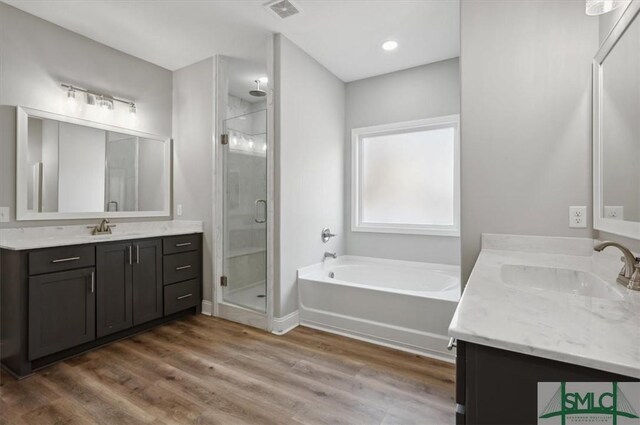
[401, 304]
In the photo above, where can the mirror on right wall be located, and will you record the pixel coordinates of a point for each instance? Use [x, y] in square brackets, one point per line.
[616, 135]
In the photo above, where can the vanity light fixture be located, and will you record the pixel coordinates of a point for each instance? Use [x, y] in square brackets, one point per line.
[104, 101]
[389, 45]
[600, 7]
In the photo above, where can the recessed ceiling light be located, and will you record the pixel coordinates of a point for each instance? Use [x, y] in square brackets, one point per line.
[390, 45]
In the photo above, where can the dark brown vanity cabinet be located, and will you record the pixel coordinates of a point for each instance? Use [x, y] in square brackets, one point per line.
[495, 386]
[61, 301]
[182, 272]
[129, 281]
[114, 311]
[147, 281]
[61, 311]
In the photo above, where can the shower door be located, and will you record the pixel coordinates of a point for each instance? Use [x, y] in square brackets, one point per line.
[245, 211]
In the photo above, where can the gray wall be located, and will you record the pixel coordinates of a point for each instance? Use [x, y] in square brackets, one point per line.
[423, 92]
[37, 56]
[310, 158]
[193, 133]
[526, 118]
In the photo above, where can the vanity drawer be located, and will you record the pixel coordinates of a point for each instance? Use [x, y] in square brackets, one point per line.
[182, 243]
[61, 258]
[180, 296]
[179, 267]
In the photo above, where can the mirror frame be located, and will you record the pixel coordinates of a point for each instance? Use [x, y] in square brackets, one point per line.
[630, 229]
[22, 139]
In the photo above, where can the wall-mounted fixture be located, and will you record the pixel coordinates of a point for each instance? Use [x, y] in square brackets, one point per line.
[326, 235]
[71, 96]
[599, 7]
[104, 101]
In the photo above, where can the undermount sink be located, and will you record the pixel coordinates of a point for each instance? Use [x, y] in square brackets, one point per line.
[569, 281]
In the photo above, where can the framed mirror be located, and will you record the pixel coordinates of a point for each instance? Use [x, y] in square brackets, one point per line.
[69, 168]
[616, 130]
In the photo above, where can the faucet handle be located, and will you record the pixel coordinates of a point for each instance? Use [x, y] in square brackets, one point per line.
[326, 235]
[634, 282]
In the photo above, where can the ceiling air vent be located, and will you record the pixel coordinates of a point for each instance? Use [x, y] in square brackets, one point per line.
[282, 8]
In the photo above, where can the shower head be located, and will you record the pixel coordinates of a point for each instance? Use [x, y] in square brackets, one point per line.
[258, 92]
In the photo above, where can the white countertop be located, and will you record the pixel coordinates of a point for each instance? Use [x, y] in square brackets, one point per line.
[51, 236]
[593, 332]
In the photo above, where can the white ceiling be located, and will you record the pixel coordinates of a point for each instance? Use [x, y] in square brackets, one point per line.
[343, 35]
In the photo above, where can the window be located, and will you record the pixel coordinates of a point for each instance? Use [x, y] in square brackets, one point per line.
[405, 177]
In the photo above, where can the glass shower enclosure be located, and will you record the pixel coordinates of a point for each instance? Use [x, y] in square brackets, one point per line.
[245, 211]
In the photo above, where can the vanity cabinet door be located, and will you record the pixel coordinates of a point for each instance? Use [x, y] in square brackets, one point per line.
[147, 280]
[61, 311]
[114, 288]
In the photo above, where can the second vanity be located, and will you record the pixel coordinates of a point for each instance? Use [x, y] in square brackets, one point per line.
[539, 309]
[65, 291]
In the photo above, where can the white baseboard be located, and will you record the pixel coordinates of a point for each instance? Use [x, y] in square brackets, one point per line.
[282, 325]
[207, 308]
[404, 339]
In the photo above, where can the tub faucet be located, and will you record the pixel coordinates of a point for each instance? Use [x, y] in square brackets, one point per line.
[330, 255]
[630, 274]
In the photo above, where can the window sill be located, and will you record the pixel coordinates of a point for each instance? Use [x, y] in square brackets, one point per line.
[420, 231]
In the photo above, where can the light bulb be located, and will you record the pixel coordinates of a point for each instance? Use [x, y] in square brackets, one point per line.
[600, 7]
[390, 45]
[71, 96]
[251, 144]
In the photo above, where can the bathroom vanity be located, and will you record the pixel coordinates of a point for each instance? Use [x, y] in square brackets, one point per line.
[540, 309]
[64, 292]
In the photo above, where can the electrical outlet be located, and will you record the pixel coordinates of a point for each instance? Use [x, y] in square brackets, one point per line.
[179, 212]
[4, 214]
[577, 216]
[614, 213]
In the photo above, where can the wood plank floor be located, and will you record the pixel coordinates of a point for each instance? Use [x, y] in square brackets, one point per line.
[203, 370]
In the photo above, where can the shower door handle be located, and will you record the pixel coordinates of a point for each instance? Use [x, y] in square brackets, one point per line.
[255, 211]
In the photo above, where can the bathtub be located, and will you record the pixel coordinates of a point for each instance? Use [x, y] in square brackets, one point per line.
[401, 304]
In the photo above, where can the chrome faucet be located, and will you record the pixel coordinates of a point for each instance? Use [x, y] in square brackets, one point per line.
[330, 255]
[630, 274]
[104, 228]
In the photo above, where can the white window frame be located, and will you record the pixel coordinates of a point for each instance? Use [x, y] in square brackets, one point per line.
[357, 136]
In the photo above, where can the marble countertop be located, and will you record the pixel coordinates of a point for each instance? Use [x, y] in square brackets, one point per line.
[599, 333]
[51, 236]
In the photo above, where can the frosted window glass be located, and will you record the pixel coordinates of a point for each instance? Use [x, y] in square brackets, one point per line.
[408, 178]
